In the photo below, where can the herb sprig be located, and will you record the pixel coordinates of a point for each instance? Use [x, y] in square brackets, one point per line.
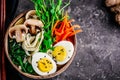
[49, 11]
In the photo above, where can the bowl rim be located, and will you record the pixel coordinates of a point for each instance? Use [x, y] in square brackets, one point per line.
[61, 70]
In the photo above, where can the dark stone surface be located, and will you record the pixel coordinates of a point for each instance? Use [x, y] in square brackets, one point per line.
[98, 51]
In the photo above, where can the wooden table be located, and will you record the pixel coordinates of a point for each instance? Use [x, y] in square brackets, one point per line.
[2, 30]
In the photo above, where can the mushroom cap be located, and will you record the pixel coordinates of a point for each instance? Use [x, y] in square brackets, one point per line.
[18, 32]
[34, 22]
[34, 25]
[31, 15]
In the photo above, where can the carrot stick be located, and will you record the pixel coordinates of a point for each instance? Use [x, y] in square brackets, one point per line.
[75, 32]
[53, 29]
[58, 38]
[66, 20]
[69, 29]
[58, 33]
[63, 29]
[65, 35]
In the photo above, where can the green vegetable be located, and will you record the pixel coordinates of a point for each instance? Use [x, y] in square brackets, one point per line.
[49, 11]
[17, 55]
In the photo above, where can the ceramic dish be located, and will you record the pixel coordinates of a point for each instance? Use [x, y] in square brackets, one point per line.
[60, 69]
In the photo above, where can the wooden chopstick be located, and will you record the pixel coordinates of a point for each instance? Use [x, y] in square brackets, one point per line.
[2, 29]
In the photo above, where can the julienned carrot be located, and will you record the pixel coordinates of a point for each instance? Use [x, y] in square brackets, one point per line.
[66, 20]
[77, 31]
[58, 33]
[57, 38]
[66, 35]
[53, 28]
[63, 29]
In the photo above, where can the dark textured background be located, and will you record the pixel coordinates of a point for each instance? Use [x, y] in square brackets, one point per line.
[98, 51]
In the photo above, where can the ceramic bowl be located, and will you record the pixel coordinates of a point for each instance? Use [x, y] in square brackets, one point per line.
[59, 70]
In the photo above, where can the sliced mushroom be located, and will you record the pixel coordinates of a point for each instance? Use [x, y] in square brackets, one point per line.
[18, 32]
[31, 15]
[34, 26]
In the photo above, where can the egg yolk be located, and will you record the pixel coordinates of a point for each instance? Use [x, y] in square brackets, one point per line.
[59, 53]
[45, 65]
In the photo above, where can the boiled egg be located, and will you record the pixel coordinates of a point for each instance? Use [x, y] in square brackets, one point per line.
[62, 52]
[43, 64]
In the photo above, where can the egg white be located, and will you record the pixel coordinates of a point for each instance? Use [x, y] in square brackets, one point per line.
[69, 49]
[36, 57]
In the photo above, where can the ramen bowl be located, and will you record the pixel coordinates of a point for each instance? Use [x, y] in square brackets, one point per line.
[60, 68]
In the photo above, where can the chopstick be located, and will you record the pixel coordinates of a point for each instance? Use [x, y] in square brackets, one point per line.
[2, 29]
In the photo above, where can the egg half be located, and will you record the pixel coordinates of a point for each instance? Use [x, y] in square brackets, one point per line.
[43, 64]
[62, 52]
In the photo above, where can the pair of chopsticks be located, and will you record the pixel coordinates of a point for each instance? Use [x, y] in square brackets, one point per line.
[2, 30]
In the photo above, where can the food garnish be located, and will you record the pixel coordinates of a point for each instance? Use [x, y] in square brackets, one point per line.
[63, 29]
